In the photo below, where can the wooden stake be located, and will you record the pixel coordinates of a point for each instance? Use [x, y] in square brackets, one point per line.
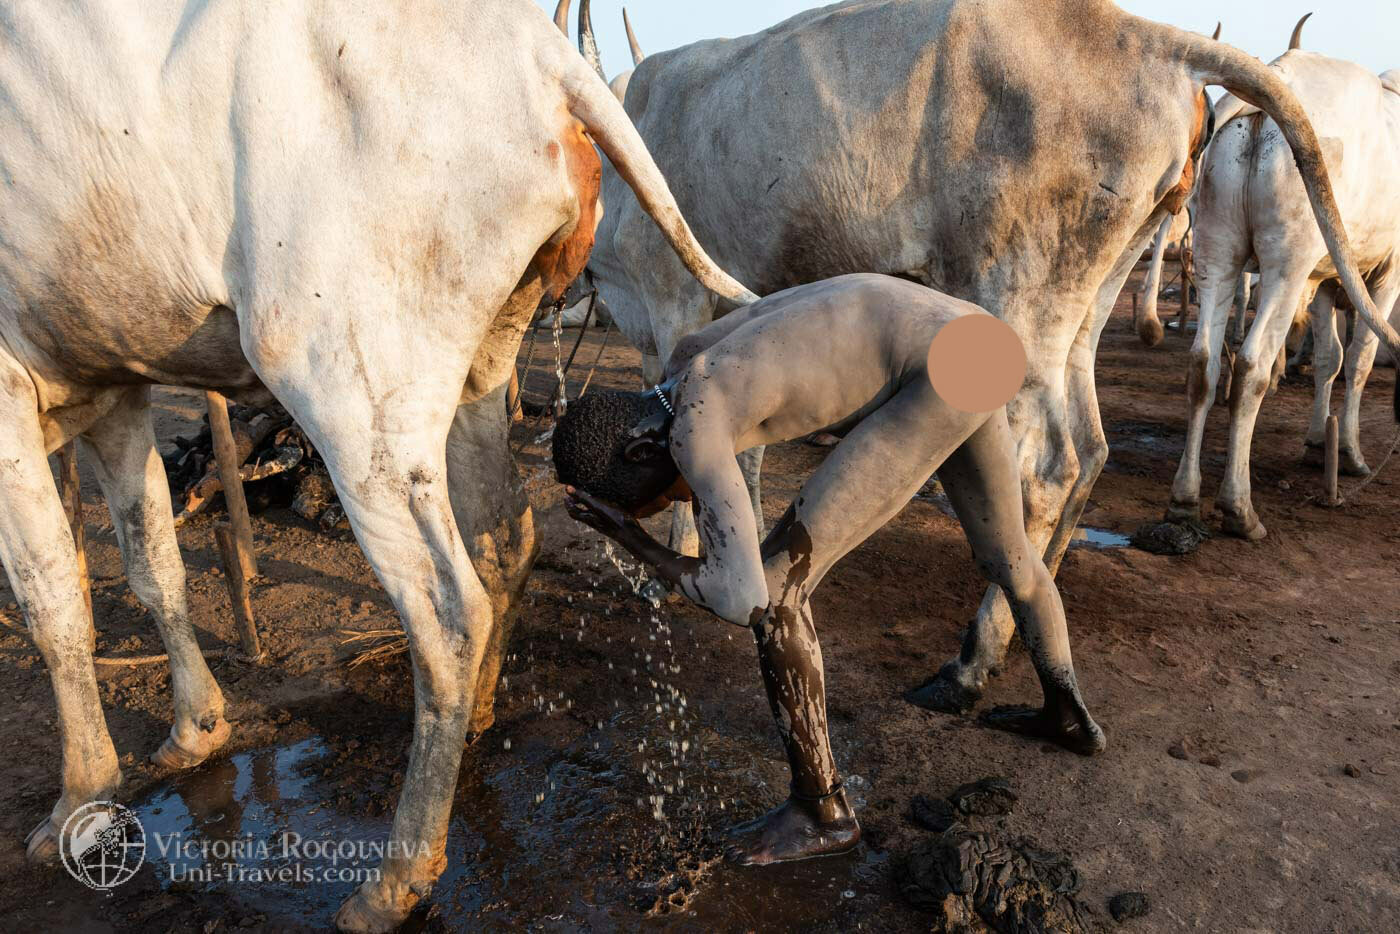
[1332, 456]
[1185, 293]
[72, 498]
[237, 590]
[226, 453]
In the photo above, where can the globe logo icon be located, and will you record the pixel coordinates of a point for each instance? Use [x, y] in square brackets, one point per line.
[102, 845]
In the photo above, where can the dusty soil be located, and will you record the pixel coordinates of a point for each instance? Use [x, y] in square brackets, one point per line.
[1269, 671]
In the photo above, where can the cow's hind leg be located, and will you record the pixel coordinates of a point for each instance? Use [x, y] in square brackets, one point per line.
[1202, 379]
[37, 551]
[1360, 359]
[983, 483]
[1278, 301]
[494, 518]
[1327, 364]
[122, 450]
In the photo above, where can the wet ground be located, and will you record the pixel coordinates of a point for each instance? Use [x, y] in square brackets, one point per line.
[1249, 693]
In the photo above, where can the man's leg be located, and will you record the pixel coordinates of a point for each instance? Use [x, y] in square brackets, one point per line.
[983, 483]
[816, 820]
[864, 482]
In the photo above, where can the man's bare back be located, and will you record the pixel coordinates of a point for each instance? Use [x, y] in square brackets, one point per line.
[849, 356]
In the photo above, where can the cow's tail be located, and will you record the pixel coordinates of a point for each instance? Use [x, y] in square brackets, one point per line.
[601, 113]
[1254, 83]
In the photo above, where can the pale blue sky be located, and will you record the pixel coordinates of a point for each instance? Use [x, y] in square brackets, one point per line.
[1363, 31]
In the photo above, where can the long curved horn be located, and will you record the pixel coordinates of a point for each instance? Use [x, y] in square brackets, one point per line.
[637, 53]
[1297, 41]
[1216, 37]
[561, 17]
[587, 44]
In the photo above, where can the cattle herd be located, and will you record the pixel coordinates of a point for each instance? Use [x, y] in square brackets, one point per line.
[356, 209]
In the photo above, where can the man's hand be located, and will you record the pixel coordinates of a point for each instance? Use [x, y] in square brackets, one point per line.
[596, 514]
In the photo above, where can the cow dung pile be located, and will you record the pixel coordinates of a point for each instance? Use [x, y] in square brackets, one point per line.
[1171, 538]
[977, 881]
[279, 467]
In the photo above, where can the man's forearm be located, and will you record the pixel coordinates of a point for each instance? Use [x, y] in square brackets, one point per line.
[670, 566]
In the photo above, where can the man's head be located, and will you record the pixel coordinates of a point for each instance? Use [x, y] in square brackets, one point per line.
[615, 445]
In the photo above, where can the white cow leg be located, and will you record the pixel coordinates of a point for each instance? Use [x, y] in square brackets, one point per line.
[1241, 309]
[1149, 325]
[382, 425]
[1361, 358]
[121, 447]
[36, 548]
[496, 524]
[1202, 377]
[1253, 370]
[1327, 364]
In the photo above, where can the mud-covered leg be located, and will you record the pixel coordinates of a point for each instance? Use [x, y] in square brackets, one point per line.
[122, 450]
[816, 819]
[36, 548]
[984, 486]
[494, 518]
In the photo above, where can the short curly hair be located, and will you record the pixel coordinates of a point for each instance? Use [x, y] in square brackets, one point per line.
[588, 449]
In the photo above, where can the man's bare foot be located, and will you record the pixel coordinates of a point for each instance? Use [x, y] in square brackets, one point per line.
[1076, 733]
[944, 693]
[798, 829]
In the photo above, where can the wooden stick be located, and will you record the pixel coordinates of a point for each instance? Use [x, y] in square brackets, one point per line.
[226, 453]
[237, 590]
[1332, 456]
[72, 497]
[1185, 294]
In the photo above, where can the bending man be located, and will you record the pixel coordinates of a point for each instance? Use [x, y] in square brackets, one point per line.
[889, 367]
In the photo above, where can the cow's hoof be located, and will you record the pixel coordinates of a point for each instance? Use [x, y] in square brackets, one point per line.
[1243, 524]
[943, 693]
[1086, 739]
[41, 846]
[1179, 513]
[1150, 331]
[176, 756]
[1354, 465]
[375, 909]
[1314, 455]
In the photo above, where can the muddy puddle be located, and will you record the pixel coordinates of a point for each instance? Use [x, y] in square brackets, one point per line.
[552, 835]
[1089, 537]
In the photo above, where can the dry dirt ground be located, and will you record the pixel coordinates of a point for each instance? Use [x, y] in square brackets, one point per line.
[1270, 670]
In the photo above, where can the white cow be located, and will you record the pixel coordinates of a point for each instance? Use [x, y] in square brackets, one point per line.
[355, 207]
[1019, 154]
[1253, 203]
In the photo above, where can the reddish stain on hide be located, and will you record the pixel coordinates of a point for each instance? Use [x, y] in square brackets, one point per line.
[558, 264]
